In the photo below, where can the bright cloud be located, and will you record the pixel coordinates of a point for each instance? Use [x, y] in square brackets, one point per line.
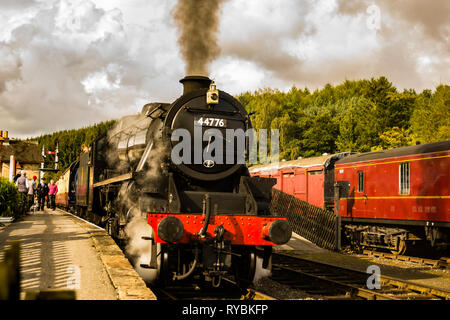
[70, 63]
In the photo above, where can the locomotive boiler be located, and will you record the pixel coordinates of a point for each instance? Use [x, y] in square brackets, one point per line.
[207, 215]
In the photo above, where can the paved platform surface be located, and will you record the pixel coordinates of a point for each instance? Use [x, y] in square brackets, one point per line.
[415, 273]
[59, 251]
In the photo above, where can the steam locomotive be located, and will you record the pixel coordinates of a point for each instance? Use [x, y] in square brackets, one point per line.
[207, 217]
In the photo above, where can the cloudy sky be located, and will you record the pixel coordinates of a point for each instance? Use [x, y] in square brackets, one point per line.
[70, 63]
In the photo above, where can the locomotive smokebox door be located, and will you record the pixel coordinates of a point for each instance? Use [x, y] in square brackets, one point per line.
[212, 96]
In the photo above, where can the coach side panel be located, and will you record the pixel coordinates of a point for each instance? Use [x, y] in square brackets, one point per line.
[403, 188]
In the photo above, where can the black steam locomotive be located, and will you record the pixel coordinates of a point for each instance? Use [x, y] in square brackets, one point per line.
[207, 216]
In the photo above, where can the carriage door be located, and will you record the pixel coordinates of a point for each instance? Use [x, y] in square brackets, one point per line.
[300, 184]
[288, 183]
[315, 188]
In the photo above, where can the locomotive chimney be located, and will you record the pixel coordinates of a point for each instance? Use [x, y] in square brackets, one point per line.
[192, 83]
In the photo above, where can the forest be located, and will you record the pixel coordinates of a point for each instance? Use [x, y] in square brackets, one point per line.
[357, 115]
[360, 116]
[70, 144]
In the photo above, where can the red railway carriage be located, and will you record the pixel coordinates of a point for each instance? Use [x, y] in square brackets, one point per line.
[62, 197]
[308, 179]
[66, 193]
[393, 198]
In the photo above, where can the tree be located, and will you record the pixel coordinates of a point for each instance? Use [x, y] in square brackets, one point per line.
[356, 115]
[357, 126]
[430, 120]
[394, 138]
[69, 144]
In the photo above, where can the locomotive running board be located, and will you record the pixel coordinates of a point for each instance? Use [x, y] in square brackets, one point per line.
[121, 178]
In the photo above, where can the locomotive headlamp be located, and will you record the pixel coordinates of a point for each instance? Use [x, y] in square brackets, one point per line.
[170, 229]
[212, 96]
[279, 232]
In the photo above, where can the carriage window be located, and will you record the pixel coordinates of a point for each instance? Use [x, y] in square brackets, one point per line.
[288, 175]
[404, 182]
[360, 181]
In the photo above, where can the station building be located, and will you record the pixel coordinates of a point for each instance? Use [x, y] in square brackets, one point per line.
[26, 156]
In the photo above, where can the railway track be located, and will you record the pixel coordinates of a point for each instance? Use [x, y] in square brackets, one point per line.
[331, 282]
[228, 291]
[317, 279]
[442, 263]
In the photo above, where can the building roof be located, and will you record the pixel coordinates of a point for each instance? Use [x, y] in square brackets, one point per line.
[299, 163]
[398, 152]
[24, 152]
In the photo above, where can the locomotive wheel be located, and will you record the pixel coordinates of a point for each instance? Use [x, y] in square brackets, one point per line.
[245, 265]
[401, 248]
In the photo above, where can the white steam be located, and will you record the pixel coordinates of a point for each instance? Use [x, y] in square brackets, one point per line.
[140, 250]
[260, 272]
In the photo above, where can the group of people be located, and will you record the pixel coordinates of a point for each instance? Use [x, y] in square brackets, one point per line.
[30, 190]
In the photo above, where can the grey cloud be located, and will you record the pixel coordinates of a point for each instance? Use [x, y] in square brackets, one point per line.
[10, 64]
[431, 16]
[16, 4]
[44, 63]
[263, 52]
[400, 45]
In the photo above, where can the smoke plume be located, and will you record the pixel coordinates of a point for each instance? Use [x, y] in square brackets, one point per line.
[198, 23]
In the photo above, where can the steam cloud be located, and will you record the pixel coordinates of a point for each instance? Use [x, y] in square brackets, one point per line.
[131, 131]
[198, 23]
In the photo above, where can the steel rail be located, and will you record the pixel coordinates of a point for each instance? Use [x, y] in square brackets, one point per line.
[352, 282]
[193, 292]
[442, 263]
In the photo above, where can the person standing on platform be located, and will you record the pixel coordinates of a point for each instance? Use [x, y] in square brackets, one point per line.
[52, 191]
[31, 192]
[42, 192]
[22, 185]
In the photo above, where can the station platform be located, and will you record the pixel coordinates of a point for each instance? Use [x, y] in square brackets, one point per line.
[61, 251]
[411, 272]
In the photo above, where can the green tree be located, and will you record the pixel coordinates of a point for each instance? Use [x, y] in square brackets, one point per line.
[356, 115]
[430, 120]
[357, 129]
[394, 138]
[69, 144]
